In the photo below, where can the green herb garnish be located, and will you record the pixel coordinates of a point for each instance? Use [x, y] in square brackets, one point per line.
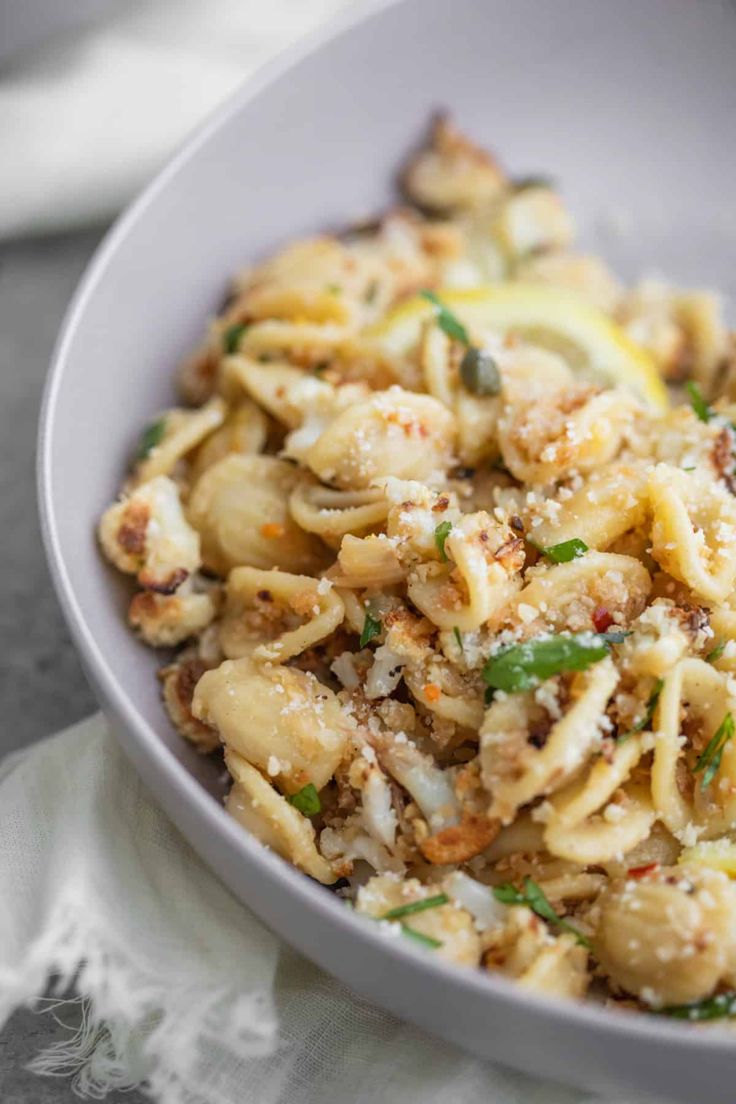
[646, 720]
[689, 469]
[565, 551]
[231, 337]
[334, 289]
[533, 896]
[306, 800]
[709, 759]
[441, 534]
[697, 402]
[712, 1008]
[151, 436]
[458, 638]
[446, 320]
[420, 937]
[371, 292]
[524, 666]
[416, 906]
[523, 183]
[479, 372]
[371, 628]
[717, 652]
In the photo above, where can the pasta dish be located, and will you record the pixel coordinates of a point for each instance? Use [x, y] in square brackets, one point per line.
[441, 546]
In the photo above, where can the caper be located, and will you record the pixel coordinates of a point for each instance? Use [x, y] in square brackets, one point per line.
[479, 372]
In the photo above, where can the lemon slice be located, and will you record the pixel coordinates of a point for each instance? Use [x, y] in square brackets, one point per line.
[718, 854]
[594, 346]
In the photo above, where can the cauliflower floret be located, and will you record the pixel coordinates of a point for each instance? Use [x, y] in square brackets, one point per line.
[178, 682]
[147, 535]
[164, 620]
[452, 173]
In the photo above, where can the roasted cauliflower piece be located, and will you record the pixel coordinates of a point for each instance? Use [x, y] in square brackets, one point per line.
[147, 535]
[451, 173]
[165, 620]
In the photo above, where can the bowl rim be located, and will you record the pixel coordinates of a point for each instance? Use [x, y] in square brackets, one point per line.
[639, 1028]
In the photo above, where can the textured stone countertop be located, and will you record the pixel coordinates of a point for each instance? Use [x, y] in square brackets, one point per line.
[42, 688]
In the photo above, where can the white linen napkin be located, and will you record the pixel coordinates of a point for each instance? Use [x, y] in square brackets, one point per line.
[184, 992]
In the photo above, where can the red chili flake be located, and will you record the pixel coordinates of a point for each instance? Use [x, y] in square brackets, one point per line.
[602, 618]
[642, 871]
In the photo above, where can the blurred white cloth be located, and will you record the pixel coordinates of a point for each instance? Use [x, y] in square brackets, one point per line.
[183, 990]
[87, 117]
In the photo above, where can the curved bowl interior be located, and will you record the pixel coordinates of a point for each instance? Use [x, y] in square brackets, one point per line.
[631, 107]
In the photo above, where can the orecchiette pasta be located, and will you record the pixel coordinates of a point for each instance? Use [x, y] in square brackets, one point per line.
[263, 811]
[518, 763]
[395, 432]
[244, 431]
[693, 531]
[240, 508]
[282, 720]
[692, 705]
[456, 586]
[180, 432]
[272, 615]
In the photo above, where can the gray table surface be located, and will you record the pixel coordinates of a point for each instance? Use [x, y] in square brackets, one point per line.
[42, 688]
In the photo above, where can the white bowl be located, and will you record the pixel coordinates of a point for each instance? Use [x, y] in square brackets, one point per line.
[631, 105]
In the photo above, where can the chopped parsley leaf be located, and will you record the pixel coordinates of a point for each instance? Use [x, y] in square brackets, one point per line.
[523, 183]
[533, 896]
[697, 402]
[371, 628]
[565, 551]
[712, 1008]
[458, 638]
[231, 337]
[441, 534]
[416, 906]
[709, 759]
[420, 937]
[717, 652]
[151, 436]
[446, 320]
[646, 720]
[306, 800]
[524, 666]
